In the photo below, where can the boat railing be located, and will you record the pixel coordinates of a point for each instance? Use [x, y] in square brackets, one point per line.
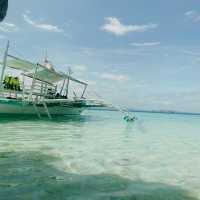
[7, 93]
[36, 92]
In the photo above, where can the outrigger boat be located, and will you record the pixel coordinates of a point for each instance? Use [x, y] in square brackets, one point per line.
[41, 96]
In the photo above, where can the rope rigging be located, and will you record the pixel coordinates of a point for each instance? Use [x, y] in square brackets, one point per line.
[128, 116]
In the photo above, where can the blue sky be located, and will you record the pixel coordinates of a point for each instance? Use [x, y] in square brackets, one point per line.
[138, 53]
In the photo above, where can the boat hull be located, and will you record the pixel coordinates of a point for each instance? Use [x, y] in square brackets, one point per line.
[15, 107]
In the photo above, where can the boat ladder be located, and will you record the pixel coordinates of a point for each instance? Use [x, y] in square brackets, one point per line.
[46, 109]
[36, 110]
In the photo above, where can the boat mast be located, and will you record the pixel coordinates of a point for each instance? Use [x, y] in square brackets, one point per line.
[4, 65]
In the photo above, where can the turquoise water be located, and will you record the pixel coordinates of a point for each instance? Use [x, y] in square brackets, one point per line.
[99, 156]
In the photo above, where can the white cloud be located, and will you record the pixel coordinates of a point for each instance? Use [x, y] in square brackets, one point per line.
[42, 26]
[193, 15]
[113, 25]
[8, 27]
[145, 44]
[80, 68]
[190, 13]
[191, 53]
[114, 77]
[91, 82]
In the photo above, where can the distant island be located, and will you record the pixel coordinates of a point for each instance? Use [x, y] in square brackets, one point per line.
[165, 112]
[147, 111]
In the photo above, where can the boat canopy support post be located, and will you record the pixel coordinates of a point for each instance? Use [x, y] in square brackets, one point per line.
[67, 88]
[4, 65]
[33, 83]
[63, 85]
[82, 96]
[23, 87]
[68, 81]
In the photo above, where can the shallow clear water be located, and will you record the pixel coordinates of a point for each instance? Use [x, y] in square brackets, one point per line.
[100, 156]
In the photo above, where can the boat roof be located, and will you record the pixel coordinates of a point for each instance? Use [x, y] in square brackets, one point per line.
[42, 73]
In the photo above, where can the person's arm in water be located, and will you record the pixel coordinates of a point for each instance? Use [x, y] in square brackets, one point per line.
[3, 9]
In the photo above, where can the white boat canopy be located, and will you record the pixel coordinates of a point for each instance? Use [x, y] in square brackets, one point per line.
[38, 71]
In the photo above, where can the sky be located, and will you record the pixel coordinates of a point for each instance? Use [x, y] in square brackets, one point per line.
[135, 53]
